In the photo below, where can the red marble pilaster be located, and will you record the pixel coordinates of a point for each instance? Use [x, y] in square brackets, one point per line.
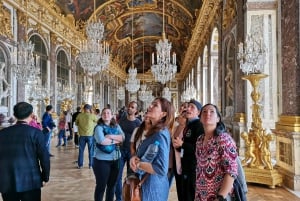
[290, 58]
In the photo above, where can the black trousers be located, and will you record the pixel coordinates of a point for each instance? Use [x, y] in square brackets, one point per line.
[33, 195]
[76, 137]
[70, 129]
[106, 174]
[178, 179]
[188, 186]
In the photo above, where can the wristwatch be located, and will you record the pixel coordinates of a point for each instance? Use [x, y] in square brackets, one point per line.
[112, 141]
[221, 198]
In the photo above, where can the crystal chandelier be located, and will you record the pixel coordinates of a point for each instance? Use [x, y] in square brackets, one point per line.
[144, 94]
[94, 55]
[25, 69]
[132, 83]
[189, 92]
[164, 70]
[121, 93]
[252, 55]
[166, 93]
[38, 91]
[184, 97]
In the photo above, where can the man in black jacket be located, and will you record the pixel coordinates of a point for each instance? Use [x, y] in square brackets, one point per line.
[24, 158]
[187, 147]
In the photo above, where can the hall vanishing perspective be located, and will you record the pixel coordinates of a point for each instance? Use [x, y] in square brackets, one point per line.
[243, 56]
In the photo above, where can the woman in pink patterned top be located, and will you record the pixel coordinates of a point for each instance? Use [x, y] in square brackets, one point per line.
[216, 158]
[34, 122]
[62, 126]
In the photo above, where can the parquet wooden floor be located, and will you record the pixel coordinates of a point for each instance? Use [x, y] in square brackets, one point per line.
[67, 183]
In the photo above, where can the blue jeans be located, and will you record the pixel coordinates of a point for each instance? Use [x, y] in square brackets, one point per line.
[83, 140]
[48, 137]
[125, 158]
[62, 135]
[106, 174]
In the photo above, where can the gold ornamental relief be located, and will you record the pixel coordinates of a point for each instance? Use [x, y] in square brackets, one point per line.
[74, 51]
[229, 13]
[53, 38]
[22, 18]
[5, 22]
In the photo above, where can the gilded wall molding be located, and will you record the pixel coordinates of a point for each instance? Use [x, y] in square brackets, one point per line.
[251, 6]
[198, 40]
[50, 18]
[229, 13]
[5, 22]
[288, 123]
[53, 38]
[115, 70]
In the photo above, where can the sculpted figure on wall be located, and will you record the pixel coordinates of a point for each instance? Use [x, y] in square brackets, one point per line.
[229, 83]
[4, 86]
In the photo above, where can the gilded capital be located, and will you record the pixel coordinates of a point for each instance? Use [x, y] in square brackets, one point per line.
[5, 22]
[74, 51]
[53, 38]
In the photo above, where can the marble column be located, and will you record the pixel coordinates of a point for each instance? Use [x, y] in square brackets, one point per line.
[52, 74]
[21, 35]
[288, 127]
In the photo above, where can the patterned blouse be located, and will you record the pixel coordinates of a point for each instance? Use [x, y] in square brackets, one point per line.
[214, 159]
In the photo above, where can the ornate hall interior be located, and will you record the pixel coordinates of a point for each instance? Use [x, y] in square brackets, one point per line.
[243, 56]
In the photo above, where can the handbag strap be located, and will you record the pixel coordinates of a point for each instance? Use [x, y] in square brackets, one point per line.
[143, 180]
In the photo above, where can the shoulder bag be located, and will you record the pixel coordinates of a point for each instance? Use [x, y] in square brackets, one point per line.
[132, 188]
[107, 148]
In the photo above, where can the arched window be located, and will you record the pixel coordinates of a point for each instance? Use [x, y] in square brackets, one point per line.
[205, 76]
[63, 69]
[63, 78]
[198, 80]
[214, 69]
[41, 52]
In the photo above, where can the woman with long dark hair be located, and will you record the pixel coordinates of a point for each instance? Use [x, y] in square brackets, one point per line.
[156, 186]
[216, 156]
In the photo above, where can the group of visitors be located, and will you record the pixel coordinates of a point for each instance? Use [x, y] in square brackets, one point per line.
[194, 148]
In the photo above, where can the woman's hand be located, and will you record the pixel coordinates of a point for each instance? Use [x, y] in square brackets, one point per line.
[134, 160]
[177, 142]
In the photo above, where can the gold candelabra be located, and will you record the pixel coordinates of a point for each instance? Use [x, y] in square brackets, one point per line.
[46, 100]
[258, 166]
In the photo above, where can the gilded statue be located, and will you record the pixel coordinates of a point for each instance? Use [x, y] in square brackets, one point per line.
[265, 150]
[250, 155]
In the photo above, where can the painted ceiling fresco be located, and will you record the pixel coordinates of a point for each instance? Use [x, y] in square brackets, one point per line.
[140, 20]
